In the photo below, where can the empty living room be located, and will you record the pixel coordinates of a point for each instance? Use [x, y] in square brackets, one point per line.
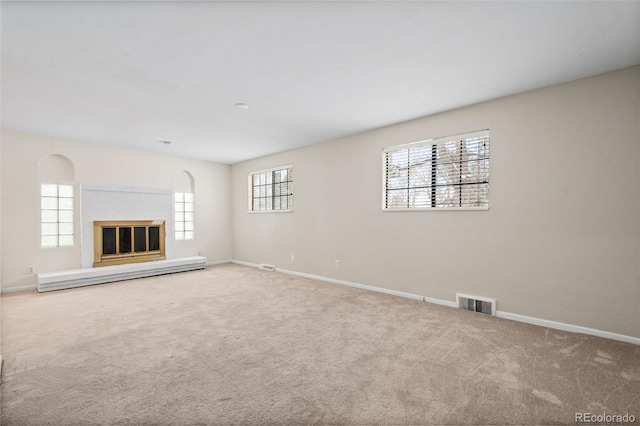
[319, 212]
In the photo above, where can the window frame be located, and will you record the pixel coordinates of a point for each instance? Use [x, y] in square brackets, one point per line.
[184, 212]
[431, 142]
[57, 211]
[250, 190]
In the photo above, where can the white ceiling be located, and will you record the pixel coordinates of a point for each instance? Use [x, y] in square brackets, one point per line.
[131, 74]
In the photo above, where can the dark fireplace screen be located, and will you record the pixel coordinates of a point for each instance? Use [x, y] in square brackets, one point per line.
[118, 242]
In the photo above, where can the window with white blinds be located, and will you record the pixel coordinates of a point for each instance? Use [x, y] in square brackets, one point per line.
[56, 215]
[271, 190]
[444, 173]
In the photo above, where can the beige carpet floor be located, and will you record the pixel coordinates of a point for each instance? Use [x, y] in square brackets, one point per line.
[237, 345]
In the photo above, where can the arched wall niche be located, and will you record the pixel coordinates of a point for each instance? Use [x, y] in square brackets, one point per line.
[56, 168]
[184, 182]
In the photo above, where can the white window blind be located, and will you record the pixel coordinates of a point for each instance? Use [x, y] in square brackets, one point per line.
[56, 215]
[450, 172]
[184, 216]
[271, 190]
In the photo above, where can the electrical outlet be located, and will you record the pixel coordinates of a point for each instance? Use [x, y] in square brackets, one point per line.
[337, 263]
[30, 270]
[293, 258]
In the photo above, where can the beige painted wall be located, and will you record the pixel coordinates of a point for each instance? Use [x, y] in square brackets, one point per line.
[101, 165]
[1, 328]
[561, 238]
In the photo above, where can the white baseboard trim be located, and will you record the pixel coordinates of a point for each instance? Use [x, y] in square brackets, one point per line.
[356, 285]
[18, 288]
[370, 288]
[218, 262]
[500, 314]
[240, 262]
[568, 327]
[351, 284]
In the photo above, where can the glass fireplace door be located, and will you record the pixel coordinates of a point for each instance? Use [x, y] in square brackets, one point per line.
[118, 242]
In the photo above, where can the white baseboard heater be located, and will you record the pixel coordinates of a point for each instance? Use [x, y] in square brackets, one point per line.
[49, 281]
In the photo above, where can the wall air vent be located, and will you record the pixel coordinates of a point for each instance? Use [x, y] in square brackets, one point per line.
[476, 304]
[267, 267]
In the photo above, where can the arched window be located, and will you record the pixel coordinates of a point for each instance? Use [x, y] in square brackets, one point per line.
[56, 176]
[184, 206]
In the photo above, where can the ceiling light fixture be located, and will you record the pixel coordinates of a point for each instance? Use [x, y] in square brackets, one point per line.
[241, 106]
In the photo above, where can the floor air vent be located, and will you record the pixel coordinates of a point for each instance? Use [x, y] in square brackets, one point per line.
[476, 304]
[267, 267]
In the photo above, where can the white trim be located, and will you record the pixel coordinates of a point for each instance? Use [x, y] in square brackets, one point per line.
[184, 212]
[269, 211]
[435, 141]
[568, 327]
[500, 314]
[19, 288]
[440, 302]
[240, 262]
[255, 172]
[356, 285]
[250, 190]
[439, 140]
[433, 209]
[505, 315]
[217, 262]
